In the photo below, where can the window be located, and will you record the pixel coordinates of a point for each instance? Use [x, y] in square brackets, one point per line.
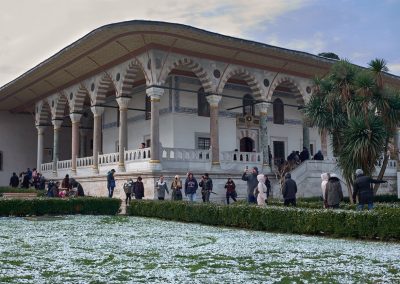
[203, 107]
[248, 106]
[147, 107]
[1, 160]
[203, 143]
[278, 112]
[148, 143]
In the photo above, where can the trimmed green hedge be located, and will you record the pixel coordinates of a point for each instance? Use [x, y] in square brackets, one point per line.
[59, 206]
[383, 225]
[17, 190]
[390, 198]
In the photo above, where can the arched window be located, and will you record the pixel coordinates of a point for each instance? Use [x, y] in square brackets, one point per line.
[248, 105]
[203, 107]
[279, 112]
[147, 107]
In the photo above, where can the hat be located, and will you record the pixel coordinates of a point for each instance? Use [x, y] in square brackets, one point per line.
[113, 170]
[359, 172]
[288, 175]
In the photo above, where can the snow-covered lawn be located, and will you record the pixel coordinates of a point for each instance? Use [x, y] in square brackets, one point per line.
[100, 249]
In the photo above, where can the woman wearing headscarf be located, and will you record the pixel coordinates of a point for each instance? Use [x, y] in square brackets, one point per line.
[176, 187]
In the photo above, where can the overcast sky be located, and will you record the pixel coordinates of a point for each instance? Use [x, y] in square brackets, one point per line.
[359, 30]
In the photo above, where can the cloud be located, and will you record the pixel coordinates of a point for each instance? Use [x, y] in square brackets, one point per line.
[394, 68]
[43, 27]
[314, 44]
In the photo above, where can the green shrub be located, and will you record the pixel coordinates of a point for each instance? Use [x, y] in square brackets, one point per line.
[59, 206]
[17, 190]
[378, 224]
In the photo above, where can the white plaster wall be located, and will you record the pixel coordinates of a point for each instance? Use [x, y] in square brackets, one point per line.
[18, 143]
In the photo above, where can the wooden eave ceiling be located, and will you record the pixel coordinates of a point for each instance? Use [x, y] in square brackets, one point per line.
[116, 43]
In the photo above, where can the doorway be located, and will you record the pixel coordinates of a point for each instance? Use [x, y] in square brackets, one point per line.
[246, 144]
[279, 152]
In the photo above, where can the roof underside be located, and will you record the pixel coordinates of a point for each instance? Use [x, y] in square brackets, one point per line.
[116, 43]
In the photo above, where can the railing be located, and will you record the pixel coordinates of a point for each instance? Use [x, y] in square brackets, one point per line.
[110, 158]
[179, 154]
[84, 162]
[46, 167]
[241, 157]
[66, 164]
[137, 155]
[391, 164]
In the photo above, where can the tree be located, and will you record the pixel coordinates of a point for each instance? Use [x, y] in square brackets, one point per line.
[330, 55]
[358, 112]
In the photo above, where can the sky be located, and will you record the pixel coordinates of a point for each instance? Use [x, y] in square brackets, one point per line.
[358, 30]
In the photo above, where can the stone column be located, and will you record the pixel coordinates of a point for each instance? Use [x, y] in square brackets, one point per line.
[75, 119]
[306, 136]
[155, 97]
[123, 103]
[56, 152]
[263, 107]
[97, 112]
[39, 163]
[214, 100]
[82, 145]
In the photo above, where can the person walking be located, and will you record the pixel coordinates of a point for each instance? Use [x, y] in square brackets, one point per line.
[139, 188]
[363, 190]
[333, 192]
[161, 187]
[176, 187]
[110, 183]
[128, 189]
[230, 190]
[260, 190]
[191, 186]
[324, 178]
[14, 180]
[289, 190]
[206, 187]
[268, 185]
[252, 183]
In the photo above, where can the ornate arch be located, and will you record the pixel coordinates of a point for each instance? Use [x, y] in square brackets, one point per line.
[290, 82]
[134, 68]
[245, 75]
[194, 66]
[58, 105]
[104, 85]
[78, 98]
[43, 112]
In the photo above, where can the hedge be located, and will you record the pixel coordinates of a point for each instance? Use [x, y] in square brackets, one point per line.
[17, 190]
[383, 225]
[59, 206]
[383, 198]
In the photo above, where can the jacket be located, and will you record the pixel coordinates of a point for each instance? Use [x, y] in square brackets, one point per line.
[362, 188]
[110, 179]
[333, 192]
[139, 190]
[230, 187]
[161, 188]
[191, 186]
[206, 184]
[289, 189]
[252, 182]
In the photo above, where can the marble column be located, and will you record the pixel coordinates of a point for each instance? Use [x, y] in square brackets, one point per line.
[56, 152]
[97, 113]
[40, 130]
[123, 103]
[214, 100]
[306, 136]
[155, 95]
[75, 120]
[263, 108]
[82, 144]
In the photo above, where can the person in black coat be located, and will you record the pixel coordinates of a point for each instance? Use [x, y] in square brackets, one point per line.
[139, 189]
[304, 155]
[318, 156]
[14, 180]
[289, 190]
[268, 185]
[363, 190]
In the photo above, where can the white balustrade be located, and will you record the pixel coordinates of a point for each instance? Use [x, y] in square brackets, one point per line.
[179, 154]
[137, 155]
[84, 162]
[241, 157]
[47, 167]
[64, 165]
[110, 158]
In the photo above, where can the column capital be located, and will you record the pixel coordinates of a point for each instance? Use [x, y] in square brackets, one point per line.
[154, 93]
[123, 102]
[57, 123]
[75, 117]
[214, 100]
[263, 107]
[97, 110]
[40, 129]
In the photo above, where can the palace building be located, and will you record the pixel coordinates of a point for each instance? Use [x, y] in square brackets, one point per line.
[147, 97]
